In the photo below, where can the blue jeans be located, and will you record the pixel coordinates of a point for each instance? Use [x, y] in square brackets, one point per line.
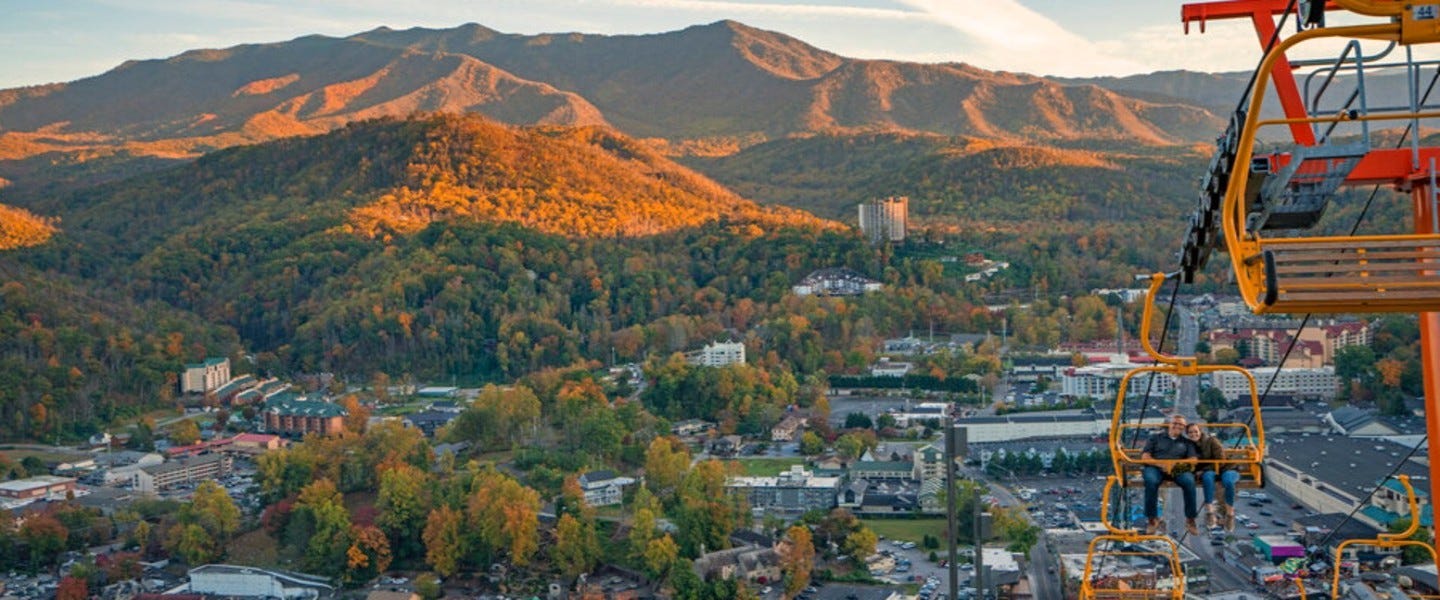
[1228, 480]
[1154, 476]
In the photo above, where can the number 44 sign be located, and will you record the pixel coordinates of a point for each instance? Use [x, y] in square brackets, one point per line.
[1425, 12]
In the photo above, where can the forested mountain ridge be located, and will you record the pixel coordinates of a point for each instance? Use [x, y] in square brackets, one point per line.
[711, 89]
[389, 246]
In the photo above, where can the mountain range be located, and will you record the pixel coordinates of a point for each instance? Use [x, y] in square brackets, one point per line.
[706, 90]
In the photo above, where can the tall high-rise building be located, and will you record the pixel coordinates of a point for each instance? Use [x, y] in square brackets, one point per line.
[884, 220]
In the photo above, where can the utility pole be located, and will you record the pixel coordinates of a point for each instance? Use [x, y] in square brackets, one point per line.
[950, 505]
[956, 446]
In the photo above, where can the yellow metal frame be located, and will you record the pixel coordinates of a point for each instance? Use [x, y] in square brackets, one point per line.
[1127, 461]
[1088, 591]
[1386, 540]
[1247, 248]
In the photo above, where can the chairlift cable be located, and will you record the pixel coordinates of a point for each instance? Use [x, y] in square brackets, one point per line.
[1377, 487]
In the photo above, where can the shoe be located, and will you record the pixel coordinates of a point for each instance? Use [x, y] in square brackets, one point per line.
[1153, 527]
[1212, 516]
[1229, 518]
[1191, 528]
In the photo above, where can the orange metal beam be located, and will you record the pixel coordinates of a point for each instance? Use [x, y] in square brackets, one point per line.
[1200, 12]
[1425, 215]
[1389, 166]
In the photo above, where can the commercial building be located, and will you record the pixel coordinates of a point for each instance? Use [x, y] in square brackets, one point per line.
[1332, 474]
[1050, 424]
[199, 378]
[1102, 380]
[1302, 384]
[40, 487]
[795, 491]
[288, 414]
[1314, 347]
[885, 220]
[158, 478]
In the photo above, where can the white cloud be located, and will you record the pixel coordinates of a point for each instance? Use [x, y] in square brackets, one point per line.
[1003, 34]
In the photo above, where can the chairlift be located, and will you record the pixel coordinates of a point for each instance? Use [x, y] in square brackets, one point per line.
[1246, 457]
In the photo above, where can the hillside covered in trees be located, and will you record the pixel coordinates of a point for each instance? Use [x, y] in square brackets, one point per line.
[438, 247]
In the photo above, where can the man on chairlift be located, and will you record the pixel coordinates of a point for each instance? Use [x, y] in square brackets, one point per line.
[1170, 445]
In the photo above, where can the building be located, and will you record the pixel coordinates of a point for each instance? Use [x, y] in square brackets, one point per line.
[794, 491]
[890, 497]
[115, 468]
[1279, 420]
[921, 414]
[1355, 422]
[1331, 473]
[1315, 347]
[884, 220]
[1102, 380]
[40, 487]
[881, 469]
[718, 354]
[158, 478]
[1390, 504]
[787, 429]
[726, 445]
[690, 427]
[835, 282]
[429, 421]
[226, 394]
[257, 443]
[1302, 384]
[754, 564]
[1276, 548]
[1331, 529]
[289, 414]
[200, 378]
[232, 581]
[1049, 424]
[603, 488]
[888, 368]
[928, 462]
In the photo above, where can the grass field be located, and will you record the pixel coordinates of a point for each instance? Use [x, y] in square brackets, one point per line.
[768, 467]
[910, 530]
[50, 457]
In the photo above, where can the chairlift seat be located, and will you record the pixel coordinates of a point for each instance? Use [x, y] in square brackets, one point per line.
[1395, 273]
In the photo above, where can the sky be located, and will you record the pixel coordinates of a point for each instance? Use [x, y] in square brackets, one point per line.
[44, 41]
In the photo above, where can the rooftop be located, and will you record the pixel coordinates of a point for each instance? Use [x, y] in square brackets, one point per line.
[30, 483]
[288, 403]
[1352, 465]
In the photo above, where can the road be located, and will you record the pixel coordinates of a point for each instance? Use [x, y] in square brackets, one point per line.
[1044, 584]
[1189, 394]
